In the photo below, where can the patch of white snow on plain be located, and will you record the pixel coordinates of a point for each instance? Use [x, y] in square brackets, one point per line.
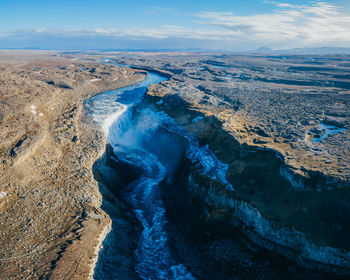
[41, 114]
[2, 194]
[33, 109]
[95, 80]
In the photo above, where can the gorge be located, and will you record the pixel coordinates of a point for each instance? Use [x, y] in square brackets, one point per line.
[176, 188]
[178, 166]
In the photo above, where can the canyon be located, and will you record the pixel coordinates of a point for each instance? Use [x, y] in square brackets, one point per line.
[220, 165]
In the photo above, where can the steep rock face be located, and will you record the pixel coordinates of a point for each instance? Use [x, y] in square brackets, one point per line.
[286, 241]
[51, 221]
[119, 246]
[275, 208]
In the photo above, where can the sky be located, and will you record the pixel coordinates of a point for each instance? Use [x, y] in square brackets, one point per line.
[179, 24]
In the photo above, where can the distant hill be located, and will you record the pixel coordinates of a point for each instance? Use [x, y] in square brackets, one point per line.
[264, 50]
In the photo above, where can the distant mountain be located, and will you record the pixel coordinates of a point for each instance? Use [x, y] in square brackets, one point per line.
[264, 50]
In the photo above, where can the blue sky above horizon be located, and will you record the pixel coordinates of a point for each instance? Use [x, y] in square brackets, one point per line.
[156, 24]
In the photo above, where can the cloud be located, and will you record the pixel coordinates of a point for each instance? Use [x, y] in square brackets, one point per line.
[165, 37]
[288, 26]
[162, 32]
[318, 23]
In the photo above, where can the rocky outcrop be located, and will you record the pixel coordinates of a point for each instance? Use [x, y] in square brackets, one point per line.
[275, 208]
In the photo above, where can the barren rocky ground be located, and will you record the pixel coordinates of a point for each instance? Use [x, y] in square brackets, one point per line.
[274, 102]
[281, 123]
[51, 220]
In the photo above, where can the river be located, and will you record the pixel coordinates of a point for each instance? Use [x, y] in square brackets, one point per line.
[113, 112]
[152, 143]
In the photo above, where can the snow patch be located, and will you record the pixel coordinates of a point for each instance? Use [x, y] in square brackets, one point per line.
[33, 109]
[3, 194]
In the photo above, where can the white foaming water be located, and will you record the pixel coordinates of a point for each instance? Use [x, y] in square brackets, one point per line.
[126, 133]
[105, 108]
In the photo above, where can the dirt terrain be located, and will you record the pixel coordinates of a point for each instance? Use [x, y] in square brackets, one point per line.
[51, 221]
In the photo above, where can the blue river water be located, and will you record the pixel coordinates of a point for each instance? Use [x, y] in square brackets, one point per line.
[114, 112]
